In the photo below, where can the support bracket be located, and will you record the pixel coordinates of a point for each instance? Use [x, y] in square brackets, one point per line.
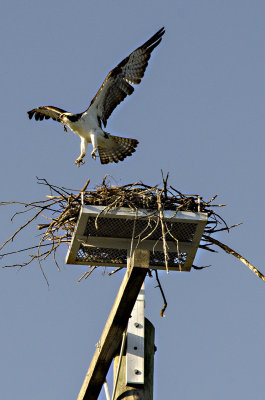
[135, 342]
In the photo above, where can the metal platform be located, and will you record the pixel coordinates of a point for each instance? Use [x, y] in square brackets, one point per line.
[106, 238]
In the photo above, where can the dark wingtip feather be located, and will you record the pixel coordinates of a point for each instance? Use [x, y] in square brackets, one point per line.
[31, 113]
[151, 48]
[135, 143]
[154, 40]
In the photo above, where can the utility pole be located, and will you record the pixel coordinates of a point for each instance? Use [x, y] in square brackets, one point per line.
[134, 368]
[109, 239]
[137, 391]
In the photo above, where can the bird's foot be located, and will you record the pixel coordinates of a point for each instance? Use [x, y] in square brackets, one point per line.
[79, 161]
[94, 154]
[65, 128]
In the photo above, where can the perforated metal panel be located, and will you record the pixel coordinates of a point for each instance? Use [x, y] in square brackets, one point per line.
[142, 227]
[105, 239]
[99, 255]
[118, 257]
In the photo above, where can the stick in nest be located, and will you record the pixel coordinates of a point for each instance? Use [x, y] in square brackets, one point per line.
[161, 217]
[62, 208]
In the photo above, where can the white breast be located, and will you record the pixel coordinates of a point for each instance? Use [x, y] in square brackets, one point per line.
[85, 126]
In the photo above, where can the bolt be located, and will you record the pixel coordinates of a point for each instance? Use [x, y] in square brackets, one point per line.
[137, 372]
[136, 324]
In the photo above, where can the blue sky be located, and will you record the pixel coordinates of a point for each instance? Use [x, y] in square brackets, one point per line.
[199, 115]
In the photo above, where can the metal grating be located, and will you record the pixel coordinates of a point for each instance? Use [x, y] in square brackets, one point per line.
[157, 259]
[118, 257]
[97, 255]
[124, 228]
[106, 238]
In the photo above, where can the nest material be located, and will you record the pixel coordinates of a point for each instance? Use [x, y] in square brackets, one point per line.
[61, 208]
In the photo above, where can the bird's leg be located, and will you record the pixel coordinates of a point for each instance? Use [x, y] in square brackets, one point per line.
[82, 154]
[95, 147]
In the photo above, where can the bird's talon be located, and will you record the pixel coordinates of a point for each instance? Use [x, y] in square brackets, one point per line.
[94, 155]
[78, 161]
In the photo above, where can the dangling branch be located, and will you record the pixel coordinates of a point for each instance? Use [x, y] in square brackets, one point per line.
[163, 295]
[235, 254]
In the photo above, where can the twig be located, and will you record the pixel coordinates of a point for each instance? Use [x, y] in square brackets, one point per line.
[163, 295]
[115, 270]
[23, 226]
[86, 274]
[161, 217]
[61, 208]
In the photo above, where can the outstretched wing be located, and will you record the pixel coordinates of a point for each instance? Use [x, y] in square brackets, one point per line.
[117, 84]
[46, 112]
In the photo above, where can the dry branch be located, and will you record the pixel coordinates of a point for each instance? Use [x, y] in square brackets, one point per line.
[162, 294]
[235, 254]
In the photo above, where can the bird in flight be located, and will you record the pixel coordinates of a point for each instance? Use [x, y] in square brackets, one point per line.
[88, 124]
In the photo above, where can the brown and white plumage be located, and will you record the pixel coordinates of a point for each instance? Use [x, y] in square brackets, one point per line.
[116, 86]
[118, 149]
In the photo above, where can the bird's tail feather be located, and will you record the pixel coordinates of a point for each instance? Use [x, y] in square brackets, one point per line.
[115, 148]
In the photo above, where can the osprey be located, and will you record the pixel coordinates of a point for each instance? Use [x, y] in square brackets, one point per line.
[88, 124]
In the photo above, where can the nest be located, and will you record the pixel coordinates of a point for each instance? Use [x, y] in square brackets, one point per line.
[61, 208]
